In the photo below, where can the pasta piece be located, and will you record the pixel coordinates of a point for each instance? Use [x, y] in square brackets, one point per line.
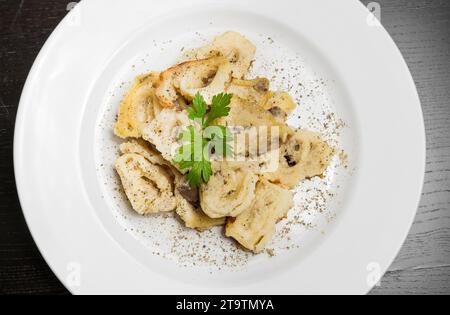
[207, 76]
[215, 82]
[138, 107]
[256, 91]
[229, 192]
[279, 104]
[164, 130]
[147, 186]
[233, 46]
[303, 156]
[256, 226]
[246, 115]
[253, 91]
[144, 149]
[188, 207]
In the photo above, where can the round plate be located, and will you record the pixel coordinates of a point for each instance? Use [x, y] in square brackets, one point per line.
[336, 62]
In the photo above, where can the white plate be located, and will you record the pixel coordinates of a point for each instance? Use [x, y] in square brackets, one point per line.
[350, 69]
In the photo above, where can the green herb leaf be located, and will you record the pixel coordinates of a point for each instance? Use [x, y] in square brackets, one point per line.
[194, 176]
[220, 107]
[201, 170]
[194, 153]
[198, 109]
[206, 171]
[219, 137]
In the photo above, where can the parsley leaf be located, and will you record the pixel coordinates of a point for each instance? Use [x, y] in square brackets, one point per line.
[219, 137]
[198, 109]
[194, 154]
[198, 164]
[194, 176]
[220, 107]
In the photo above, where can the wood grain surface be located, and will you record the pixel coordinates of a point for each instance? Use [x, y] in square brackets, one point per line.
[421, 29]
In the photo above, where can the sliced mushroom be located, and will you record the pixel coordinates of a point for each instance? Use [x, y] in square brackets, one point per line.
[148, 187]
[256, 226]
[188, 206]
[304, 155]
[229, 192]
[138, 107]
[207, 76]
[163, 132]
[233, 46]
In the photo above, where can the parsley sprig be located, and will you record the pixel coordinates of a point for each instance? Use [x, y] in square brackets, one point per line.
[198, 143]
[220, 107]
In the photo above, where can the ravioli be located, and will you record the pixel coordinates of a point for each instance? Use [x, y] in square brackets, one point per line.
[163, 131]
[236, 48]
[188, 207]
[304, 155]
[212, 82]
[255, 227]
[148, 187]
[229, 192]
[247, 116]
[138, 107]
[144, 149]
[279, 104]
[206, 76]
[253, 91]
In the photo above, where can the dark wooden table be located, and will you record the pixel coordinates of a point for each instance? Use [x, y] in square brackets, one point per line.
[421, 28]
